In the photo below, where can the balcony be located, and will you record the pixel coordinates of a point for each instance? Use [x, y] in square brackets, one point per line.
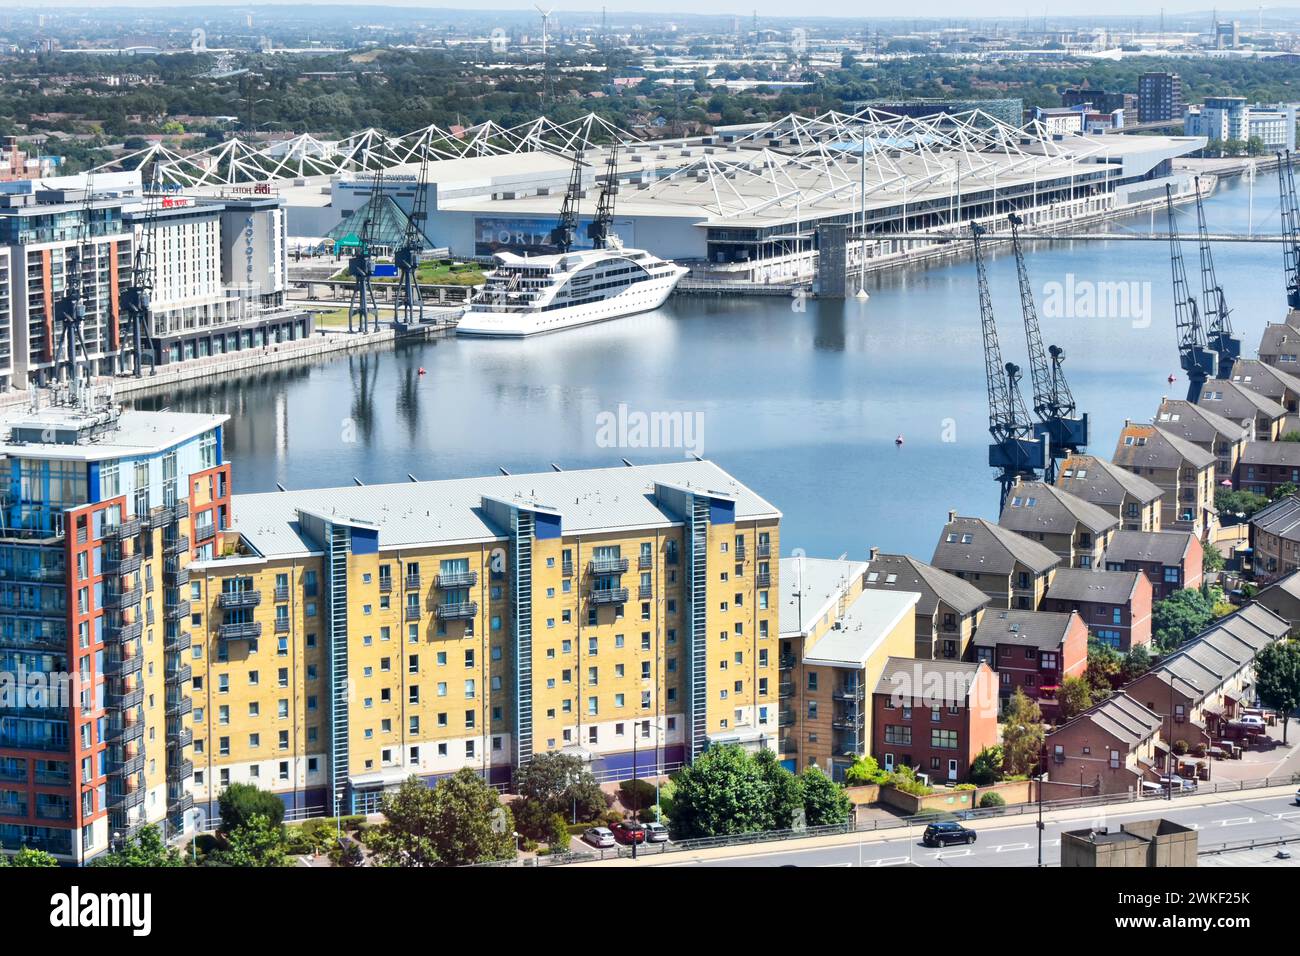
[763, 579]
[181, 641]
[787, 662]
[785, 718]
[645, 592]
[609, 596]
[850, 692]
[785, 688]
[175, 576]
[457, 579]
[122, 564]
[282, 591]
[124, 700]
[126, 766]
[236, 599]
[127, 800]
[412, 582]
[845, 722]
[241, 631]
[739, 551]
[121, 666]
[180, 804]
[608, 565]
[122, 599]
[180, 769]
[764, 549]
[181, 509]
[179, 675]
[848, 745]
[179, 706]
[128, 528]
[385, 585]
[176, 612]
[179, 737]
[178, 545]
[124, 732]
[645, 562]
[412, 612]
[282, 625]
[566, 568]
[457, 611]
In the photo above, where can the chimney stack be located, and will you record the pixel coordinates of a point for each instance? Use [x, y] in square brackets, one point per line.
[952, 516]
[873, 553]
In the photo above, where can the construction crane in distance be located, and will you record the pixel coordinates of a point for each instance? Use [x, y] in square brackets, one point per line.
[1059, 426]
[361, 264]
[134, 301]
[70, 309]
[567, 227]
[1218, 317]
[409, 308]
[1290, 228]
[1193, 354]
[601, 230]
[1015, 452]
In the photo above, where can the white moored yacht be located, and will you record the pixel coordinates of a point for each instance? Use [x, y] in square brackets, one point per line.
[526, 295]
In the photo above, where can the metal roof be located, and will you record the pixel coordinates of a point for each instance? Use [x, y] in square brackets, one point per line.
[811, 587]
[410, 514]
[863, 628]
[1085, 584]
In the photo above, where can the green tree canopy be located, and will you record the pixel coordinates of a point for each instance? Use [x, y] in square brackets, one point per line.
[1105, 666]
[865, 770]
[256, 842]
[1277, 679]
[1073, 697]
[405, 838]
[986, 768]
[724, 791]
[561, 783]
[145, 848]
[470, 825]
[240, 802]
[1022, 733]
[824, 801]
[1180, 617]
[27, 857]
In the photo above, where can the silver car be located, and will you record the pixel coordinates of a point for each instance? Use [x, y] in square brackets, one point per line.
[656, 833]
[599, 836]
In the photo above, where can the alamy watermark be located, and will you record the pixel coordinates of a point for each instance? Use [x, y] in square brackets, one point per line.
[22, 689]
[626, 427]
[1077, 298]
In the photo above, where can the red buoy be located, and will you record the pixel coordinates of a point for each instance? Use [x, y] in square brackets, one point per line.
[1172, 379]
[421, 369]
[898, 440]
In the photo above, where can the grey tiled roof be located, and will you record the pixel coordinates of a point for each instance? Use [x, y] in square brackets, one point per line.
[1281, 518]
[1236, 402]
[929, 682]
[1044, 630]
[1271, 453]
[930, 582]
[990, 550]
[1166, 547]
[1265, 379]
[1052, 511]
[1160, 450]
[1084, 584]
[1105, 483]
[1120, 716]
[1196, 424]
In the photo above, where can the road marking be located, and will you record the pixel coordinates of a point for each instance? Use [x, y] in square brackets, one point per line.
[834, 864]
[1236, 821]
[889, 861]
[1010, 847]
[947, 854]
[1288, 815]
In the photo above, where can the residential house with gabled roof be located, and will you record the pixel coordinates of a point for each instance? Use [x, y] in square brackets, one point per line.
[949, 609]
[1032, 651]
[1129, 497]
[1184, 473]
[1282, 597]
[1275, 539]
[1201, 686]
[1279, 345]
[1008, 567]
[1116, 605]
[1266, 466]
[1076, 531]
[1110, 747]
[1171, 560]
[1220, 436]
[1273, 383]
[1238, 403]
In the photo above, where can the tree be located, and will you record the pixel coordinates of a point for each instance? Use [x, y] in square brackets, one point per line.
[1283, 491]
[785, 798]
[1212, 557]
[1073, 697]
[241, 802]
[1135, 663]
[470, 825]
[561, 783]
[29, 858]
[721, 792]
[257, 842]
[1277, 679]
[1104, 669]
[145, 848]
[864, 771]
[1022, 733]
[824, 800]
[986, 768]
[1180, 617]
[405, 838]
[1240, 505]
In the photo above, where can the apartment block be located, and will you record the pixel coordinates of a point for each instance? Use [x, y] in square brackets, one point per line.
[1110, 748]
[949, 608]
[1237, 403]
[1032, 651]
[1171, 560]
[1010, 568]
[1221, 437]
[1115, 605]
[1184, 473]
[1129, 497]
[1075, 530]
[1275, 540]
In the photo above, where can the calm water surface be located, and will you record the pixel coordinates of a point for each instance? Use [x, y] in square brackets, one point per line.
[801, 405]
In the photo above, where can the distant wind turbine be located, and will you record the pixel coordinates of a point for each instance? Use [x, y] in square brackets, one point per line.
[546, 19]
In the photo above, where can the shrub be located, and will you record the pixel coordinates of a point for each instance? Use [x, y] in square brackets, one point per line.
[993, 799]
[964, 786]
[1180, 747]
[636, 794]
[864, 771]
[610, 817]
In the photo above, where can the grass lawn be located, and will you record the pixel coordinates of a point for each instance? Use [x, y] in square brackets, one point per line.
[436, 272]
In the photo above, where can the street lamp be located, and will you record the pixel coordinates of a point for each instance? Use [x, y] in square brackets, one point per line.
[1169, 760]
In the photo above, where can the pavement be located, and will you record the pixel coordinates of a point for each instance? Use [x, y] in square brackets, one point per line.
[1221, 819]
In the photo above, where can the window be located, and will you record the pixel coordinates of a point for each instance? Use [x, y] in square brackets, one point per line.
[946, 739]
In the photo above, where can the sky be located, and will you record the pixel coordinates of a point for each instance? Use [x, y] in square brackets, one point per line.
[957, 9]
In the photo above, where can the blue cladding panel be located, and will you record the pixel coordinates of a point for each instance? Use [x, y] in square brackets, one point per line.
[92, 482]
[722, 511]
[221, 437]
[365, 540]
[546, 525]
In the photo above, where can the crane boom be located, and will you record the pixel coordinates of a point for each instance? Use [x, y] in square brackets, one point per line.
[601, 229]
[70, 310]
[1218, 317]
[567, 226]
[361, 263]
[1193, 355]
[1290, 228]
[410, 307]
[135, 299]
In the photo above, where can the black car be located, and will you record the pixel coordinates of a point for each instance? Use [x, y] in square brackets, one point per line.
[945, 834]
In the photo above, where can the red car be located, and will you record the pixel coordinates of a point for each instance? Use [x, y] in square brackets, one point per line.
[629, 832]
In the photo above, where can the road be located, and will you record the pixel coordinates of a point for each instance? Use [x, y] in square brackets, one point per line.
[1229, 819]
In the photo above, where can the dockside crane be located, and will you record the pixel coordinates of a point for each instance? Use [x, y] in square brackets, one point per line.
[1059, 424]
[1015, 452]
[1193, 354]
[567, 226]
[1290, 228]
[601, 230]
[361, 264]
[134, 301]
[409, 309]
[70, 309]
[1218, 317]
